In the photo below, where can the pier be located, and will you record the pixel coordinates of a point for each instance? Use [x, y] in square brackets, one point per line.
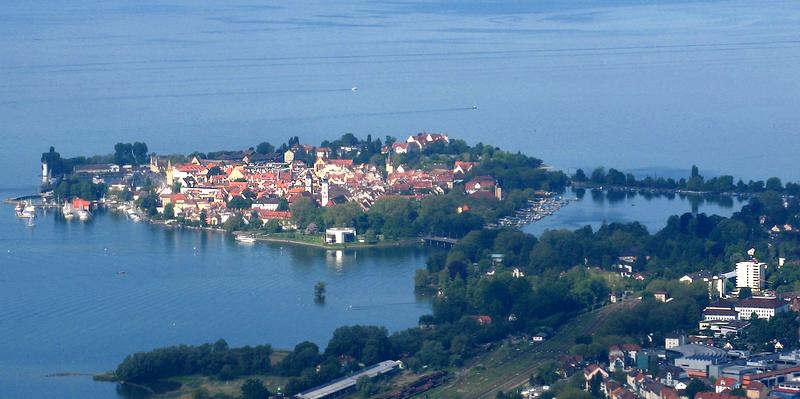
[15, 200]
[439, 242]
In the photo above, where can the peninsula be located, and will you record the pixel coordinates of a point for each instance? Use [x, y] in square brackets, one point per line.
[346, 192]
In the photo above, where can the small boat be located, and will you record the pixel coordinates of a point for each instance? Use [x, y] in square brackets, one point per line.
[245, 239]
[84, 214]
[27, 212]
[474, 107]
[354, 88]
[68, 211]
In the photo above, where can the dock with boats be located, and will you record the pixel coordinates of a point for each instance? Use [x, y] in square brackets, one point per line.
[536, 209]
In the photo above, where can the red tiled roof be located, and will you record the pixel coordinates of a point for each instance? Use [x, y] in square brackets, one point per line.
[265, 214]
[189, 167]
[341, 162]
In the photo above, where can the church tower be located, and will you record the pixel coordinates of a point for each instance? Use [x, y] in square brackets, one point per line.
[324, 193]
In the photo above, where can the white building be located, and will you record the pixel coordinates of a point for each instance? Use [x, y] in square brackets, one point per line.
[764, 308]
[340, 235]
[674, 341]
[750, 274]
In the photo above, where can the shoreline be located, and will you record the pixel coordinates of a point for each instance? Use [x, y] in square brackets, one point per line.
[286, 240]
[355, 245]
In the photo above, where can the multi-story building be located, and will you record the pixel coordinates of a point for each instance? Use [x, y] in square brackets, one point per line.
[764, 308]
[750, 274]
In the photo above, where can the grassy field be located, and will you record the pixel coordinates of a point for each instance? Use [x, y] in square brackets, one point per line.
[192, 384]
[509, 366]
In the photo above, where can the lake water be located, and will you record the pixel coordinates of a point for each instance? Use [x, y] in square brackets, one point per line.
[625, 83]
[65, 307]
[594, 207]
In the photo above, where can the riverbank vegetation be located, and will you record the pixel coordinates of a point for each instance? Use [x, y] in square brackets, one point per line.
[208, 359]
[695, 182]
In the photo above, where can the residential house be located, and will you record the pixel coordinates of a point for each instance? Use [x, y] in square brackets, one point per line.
[756, 390]
[480, 183]
[702, 275]
[715, 395]
[661, 296]
[725, 383]
[591, 371]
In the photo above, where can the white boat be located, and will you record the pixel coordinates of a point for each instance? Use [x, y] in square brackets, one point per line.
[354, 88]
[68, 211]
[245, 239]
[27, 212]
[84, 214]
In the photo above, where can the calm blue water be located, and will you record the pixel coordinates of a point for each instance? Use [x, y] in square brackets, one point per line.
[66, 308]
[595, 207]
[623, 83]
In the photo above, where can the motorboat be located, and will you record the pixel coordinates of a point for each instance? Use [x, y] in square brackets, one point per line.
[28, 211]
[68, 211]
[245, 239]
[84, 214]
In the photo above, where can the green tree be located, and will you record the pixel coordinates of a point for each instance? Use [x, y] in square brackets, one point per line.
[580, 176]
[254, 389]
[214, 171]
[365, 387]
[240, 203]
[319, 292]
[774, 184]
[599, 175]
[139, 152]
[123, 154]
[546, 374]
[283, 205]
[304, 212]
[694, 386]
[265, 148]
[233, 223]
[169, 211]
[272, 226]
[745, 292]
[342, 215]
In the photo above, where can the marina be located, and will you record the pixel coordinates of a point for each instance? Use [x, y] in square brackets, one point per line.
[536, 210]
